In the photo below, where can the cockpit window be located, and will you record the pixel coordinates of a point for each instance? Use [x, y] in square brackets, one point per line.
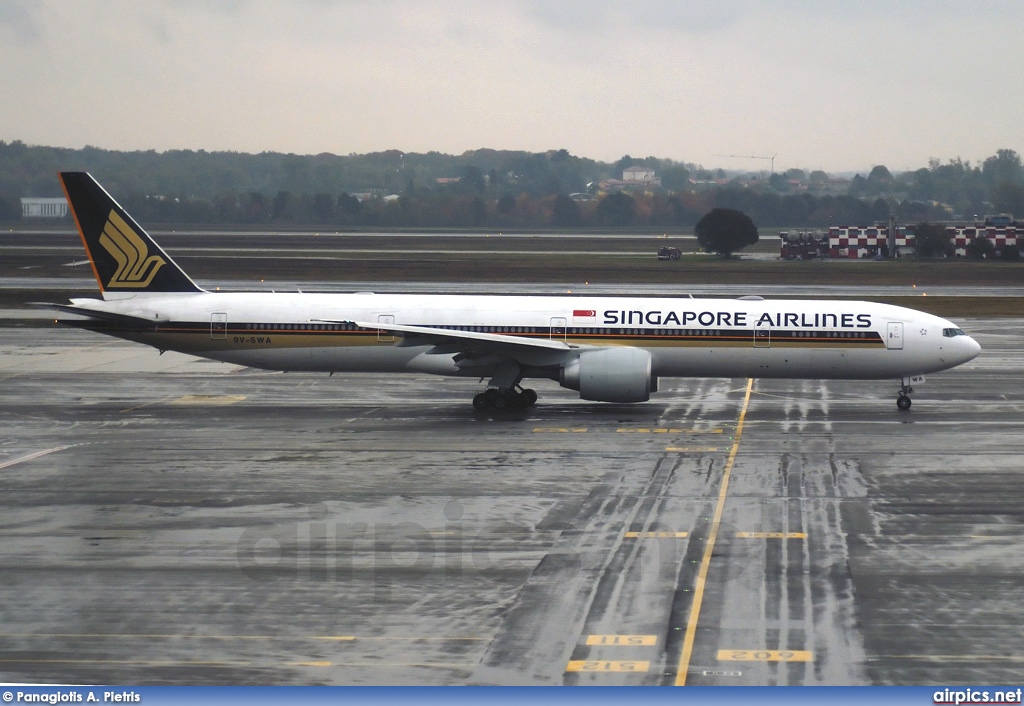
[951, 332]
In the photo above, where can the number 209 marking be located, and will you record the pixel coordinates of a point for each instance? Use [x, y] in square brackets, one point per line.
[765, 655]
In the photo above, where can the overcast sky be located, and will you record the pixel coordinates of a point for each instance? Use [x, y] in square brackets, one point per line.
[823, 84]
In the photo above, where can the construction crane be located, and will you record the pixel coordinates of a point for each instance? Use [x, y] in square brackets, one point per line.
[752, 156]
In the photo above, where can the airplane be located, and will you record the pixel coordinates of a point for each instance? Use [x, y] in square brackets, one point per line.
[609, 349]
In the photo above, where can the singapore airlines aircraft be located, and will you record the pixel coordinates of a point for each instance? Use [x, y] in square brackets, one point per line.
[610, 349]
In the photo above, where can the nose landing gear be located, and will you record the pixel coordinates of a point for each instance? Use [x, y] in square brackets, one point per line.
[903, 401]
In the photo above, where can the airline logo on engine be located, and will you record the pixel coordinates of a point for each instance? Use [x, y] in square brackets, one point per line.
[737, 319]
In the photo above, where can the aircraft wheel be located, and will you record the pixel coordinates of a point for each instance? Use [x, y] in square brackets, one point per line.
[529, 397]
[481, 402]
[903, 402]
[516, 400]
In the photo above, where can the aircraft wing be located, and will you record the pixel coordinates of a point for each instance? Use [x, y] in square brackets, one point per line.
[474, 339]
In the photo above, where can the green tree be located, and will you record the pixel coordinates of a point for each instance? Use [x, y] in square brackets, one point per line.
[981, 248]
[858, 187]
[506, 204]
[880, 181]
[933, 240]
[282, 205]
[323, 207]
[674, 177]
[778, 182]
[565, 213]
[254, 207]
[616, 210]
[725, 231]
[472, 180]
[349, 205]
[10, 209]
[1008, 198]
[1003, 167]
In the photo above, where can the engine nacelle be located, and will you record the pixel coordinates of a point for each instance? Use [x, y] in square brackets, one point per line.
[611, 375]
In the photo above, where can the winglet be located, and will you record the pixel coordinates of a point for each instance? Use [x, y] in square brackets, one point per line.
[124, 257]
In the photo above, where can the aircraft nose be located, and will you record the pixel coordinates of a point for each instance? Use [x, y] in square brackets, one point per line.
[973, 349]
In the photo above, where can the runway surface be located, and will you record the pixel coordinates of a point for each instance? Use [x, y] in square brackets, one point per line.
[167, 520]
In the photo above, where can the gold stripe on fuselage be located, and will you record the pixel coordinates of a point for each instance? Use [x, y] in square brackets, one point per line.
[197, 337]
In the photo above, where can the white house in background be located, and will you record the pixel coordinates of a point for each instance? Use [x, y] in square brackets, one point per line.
[639, 174]
[44, 208]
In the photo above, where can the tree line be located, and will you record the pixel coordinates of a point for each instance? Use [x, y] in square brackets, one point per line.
[492, 189]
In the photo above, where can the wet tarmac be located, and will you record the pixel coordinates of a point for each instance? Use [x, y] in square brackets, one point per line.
[169, 520]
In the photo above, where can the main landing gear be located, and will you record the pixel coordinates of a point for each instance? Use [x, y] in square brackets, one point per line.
[512, 398]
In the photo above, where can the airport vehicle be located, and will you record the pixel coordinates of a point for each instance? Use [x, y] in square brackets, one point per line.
[669, 253]
[610, 349]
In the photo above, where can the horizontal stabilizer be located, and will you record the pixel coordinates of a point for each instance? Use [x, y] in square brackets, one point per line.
[123, 319]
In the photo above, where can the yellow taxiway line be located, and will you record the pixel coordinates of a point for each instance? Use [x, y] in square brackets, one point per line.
[705, 563]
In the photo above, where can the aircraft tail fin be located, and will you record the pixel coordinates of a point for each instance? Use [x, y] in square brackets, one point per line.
[124, 257]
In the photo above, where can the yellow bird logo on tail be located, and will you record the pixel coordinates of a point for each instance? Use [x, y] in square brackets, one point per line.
[135, 266]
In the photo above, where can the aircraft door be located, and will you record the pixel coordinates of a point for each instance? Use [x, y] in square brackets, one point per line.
[762, 336]
[385, 336]
[557, 328]
[218, 327]
[894, 339]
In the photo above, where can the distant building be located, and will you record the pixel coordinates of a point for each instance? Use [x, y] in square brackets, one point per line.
[639, 174]
[634, 178]
[1000, 236]
[44, 208]
[869, 241]
[845, 242]
[1001, 220]
[872, 241]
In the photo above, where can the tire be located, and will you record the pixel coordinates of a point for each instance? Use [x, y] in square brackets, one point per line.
[481, 403]
[903, 402]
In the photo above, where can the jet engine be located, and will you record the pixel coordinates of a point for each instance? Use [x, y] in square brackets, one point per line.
[610, 375]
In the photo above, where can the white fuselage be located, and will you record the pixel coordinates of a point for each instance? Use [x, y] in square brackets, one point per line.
[685, 337]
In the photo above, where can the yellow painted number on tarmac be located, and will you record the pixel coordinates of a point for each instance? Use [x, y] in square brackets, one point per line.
[581, 665]
[764, 655]
[628, 640]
